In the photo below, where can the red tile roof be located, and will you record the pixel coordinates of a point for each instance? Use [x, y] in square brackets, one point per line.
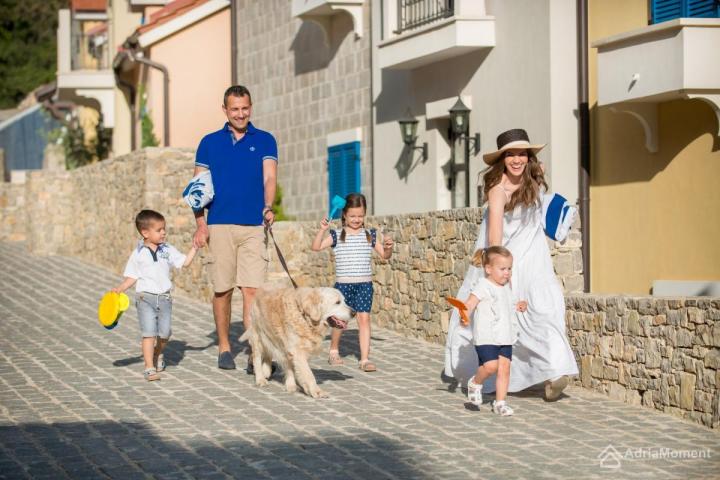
[88, 5]
[169, 12]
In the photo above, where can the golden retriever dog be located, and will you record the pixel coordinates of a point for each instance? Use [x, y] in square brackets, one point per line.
[288, 325]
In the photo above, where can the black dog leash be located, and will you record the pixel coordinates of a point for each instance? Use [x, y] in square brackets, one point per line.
[268, 229]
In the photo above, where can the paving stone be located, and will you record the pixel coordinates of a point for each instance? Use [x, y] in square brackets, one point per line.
[74, 404]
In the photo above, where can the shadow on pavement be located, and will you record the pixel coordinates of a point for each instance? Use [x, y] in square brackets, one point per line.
[175, 351]
[349, 346]
[236, 347]
[127, 450]
[174, 354]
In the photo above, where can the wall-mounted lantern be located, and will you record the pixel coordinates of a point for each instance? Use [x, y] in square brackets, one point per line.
[408, 130]
[460, 124]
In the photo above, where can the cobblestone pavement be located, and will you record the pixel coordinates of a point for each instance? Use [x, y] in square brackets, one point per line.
[73, 404]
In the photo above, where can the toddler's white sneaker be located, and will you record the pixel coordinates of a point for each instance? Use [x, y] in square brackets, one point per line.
[502, 408]
[474, 392]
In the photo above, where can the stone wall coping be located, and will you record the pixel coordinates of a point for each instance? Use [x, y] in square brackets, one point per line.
[603, 296]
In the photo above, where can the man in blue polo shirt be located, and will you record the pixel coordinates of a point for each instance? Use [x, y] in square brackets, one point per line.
[243, 162]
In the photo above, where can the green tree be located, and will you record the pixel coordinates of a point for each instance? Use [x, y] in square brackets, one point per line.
[72, 138]
[28, 45]
[278, 206]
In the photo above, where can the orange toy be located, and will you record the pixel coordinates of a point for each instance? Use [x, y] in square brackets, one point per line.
[462, 309]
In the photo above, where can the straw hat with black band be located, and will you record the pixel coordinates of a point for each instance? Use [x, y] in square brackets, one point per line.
[515, 138]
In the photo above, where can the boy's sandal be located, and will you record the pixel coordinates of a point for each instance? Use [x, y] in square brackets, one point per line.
[151, 374]
[160, 363]
[334, 358]
[367, 366]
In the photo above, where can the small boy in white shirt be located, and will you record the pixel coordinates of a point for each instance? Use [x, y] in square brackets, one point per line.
[494, 323]
[149, 265]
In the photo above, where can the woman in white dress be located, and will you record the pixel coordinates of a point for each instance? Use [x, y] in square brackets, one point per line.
[513, 186]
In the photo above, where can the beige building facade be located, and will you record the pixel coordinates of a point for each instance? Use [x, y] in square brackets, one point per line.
[655, 159]
[194, 47]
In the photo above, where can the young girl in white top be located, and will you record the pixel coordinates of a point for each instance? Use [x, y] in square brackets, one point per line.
[353, 245]
[494, 324]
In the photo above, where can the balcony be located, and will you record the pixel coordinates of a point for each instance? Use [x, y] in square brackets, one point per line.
[666, 61]
[420, 32]
[83, 60]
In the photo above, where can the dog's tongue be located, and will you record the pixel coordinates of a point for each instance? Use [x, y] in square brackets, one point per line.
[335, 322]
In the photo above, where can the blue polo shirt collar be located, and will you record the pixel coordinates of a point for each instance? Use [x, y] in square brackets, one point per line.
[154, 254]
[250, 129]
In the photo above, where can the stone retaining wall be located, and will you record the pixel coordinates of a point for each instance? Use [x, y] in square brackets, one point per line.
[12, 212]
[89, 212]
[429, 261]
[662, 353]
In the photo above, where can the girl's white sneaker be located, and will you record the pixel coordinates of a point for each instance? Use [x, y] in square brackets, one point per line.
[502, 408]
[474, 392]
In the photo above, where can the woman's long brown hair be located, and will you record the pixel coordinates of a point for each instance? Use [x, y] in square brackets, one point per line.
[532, 179]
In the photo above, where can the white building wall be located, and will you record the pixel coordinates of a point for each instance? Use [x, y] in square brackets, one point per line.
[527, 80]
[562, 169]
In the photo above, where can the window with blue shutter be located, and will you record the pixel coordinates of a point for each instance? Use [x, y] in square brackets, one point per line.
[664, 10]
[343, 170]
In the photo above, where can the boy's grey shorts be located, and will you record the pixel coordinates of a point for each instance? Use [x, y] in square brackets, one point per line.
[154, 312]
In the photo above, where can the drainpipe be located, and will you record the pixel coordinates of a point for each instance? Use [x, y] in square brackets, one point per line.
[136, 56]
[584, 137]
[233, 43]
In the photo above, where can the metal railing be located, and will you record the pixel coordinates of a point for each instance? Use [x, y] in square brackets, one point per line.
[416, 13]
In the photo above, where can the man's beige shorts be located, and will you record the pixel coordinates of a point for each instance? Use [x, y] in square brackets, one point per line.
[239, 256]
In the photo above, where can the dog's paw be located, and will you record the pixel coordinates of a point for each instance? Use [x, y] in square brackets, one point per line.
[318, 393]
[261, 382]
[291, 387]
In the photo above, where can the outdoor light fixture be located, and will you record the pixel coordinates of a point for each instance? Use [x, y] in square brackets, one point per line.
[460, 127]
[460, 120]
[460, 117]
[408, 130]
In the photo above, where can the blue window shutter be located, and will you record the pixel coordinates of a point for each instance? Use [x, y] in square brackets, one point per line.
[664, 10]
[702, 8]
[343, 170]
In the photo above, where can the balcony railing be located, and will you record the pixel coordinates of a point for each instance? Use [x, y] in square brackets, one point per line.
[416, 13]
[89, 51]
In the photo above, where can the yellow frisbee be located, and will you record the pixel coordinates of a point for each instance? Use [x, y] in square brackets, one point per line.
[111, 307]
[123, 302]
